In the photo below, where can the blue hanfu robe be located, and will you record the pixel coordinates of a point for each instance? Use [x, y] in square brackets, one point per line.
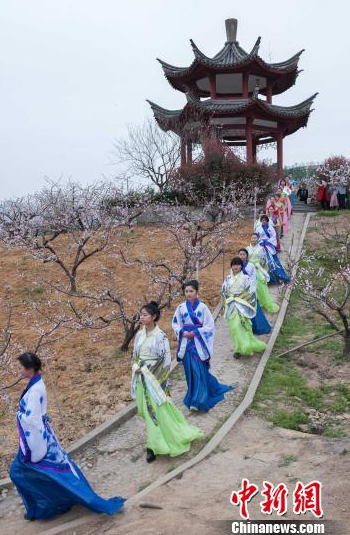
[47, 480]
[260, 325]
[203, 389]
[268, 240]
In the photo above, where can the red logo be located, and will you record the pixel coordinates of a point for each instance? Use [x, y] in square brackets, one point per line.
[306, 498]
[242, 497]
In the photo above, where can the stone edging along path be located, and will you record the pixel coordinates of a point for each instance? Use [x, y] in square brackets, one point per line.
[222, 431]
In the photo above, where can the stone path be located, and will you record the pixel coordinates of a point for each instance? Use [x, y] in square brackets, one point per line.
[115, 463]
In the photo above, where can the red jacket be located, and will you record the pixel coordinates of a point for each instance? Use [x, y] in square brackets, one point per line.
[323, 193]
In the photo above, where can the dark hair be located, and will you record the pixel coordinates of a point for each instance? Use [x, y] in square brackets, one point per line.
[153, 309]
[30, 361]
[194, 283]
[256, 234]
[244, 251]
[236, 261]
[264, 217]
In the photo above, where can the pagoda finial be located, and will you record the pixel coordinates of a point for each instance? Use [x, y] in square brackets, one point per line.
[231, 30]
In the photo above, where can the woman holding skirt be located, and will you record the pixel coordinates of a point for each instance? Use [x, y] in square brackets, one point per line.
[168, 432]
[281, 203]
[260, 325]
[268, 240]
[240, 308]
[257, 256]
[47, 480]
[194, 326]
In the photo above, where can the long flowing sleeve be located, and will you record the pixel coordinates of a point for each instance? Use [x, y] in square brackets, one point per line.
[31, 423]
[207, 331]
[273, 238]
[177, 322]
[224, 288]
[250, 268]
[134, 368]
[164, 350]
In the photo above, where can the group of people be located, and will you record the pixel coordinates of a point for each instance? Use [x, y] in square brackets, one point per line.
[49, 482]
[332, 195]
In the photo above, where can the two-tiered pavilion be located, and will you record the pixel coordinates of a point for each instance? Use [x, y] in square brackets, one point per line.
[229, 98]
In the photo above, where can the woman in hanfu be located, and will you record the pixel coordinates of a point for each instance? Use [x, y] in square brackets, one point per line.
[260, 325]
[286, 193]
[168, 432]
[281, 203]
[257, 221]
[294, 188]
[275, 222]
[240, 309]
[47, 480]
[268, 240]
[194, 327]
[257, 256]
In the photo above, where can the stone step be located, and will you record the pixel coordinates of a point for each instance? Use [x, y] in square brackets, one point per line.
[301, 207]
[304, 210]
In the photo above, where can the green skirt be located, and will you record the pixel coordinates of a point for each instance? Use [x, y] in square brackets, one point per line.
[264, 297]
[244, 341]
[168, 432]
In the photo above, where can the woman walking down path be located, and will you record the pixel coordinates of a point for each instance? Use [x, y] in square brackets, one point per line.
[240, 309]
[282, 209]
[260, 325]
[276, 222]
[267, 239]
[47, 480]
[194, 326]
[286, 193]
[257, 256]
[168, 432]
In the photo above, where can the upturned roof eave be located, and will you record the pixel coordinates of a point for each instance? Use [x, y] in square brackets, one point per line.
[175, 119]
[242, 60]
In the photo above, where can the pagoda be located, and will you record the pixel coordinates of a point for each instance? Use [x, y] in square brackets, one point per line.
[229, 99]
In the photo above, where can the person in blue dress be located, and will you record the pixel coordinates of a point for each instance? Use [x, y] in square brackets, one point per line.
[194, 326]
[260, 325]
[268, 240]
[47, 480]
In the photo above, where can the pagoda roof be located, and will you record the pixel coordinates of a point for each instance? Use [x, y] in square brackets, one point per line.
[243, 104]
[231, 55]
[232, 58]
[297, 116]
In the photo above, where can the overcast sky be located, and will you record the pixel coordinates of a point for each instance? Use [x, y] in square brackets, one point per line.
[75, 73]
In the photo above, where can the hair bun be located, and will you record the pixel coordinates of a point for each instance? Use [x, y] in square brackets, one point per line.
[154, 304]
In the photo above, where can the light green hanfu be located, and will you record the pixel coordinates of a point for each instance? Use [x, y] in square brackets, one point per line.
[168, 432]
[240, 308]
[257, 257]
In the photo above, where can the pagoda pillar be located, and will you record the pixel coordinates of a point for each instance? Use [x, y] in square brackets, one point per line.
[254, 151]
[212, 82]
[249, 140]
[189, 152]
[279, 139]
[183, 151]
[269, 92]
[245, 80]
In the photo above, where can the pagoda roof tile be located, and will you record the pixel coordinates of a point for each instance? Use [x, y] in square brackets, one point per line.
[231, 55]
[168, 119]
[236, 105]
